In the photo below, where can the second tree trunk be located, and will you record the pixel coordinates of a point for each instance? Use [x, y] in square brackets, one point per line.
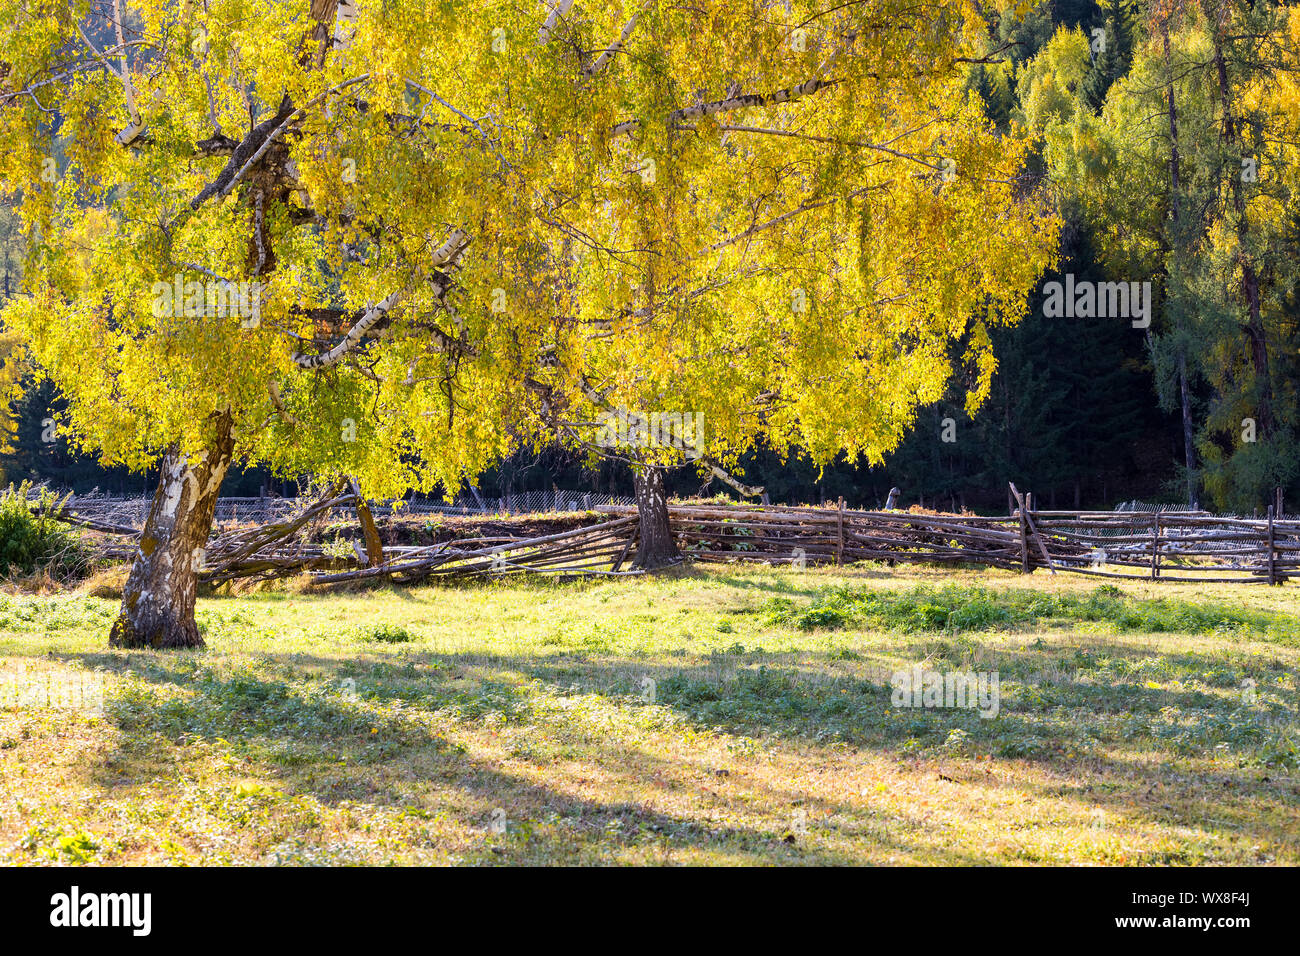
[656, 548]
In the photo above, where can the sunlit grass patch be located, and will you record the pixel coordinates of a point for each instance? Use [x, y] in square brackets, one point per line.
[977, 608]
[720, 715]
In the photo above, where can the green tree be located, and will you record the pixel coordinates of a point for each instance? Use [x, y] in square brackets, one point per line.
[1203, 121]
[1112, 52]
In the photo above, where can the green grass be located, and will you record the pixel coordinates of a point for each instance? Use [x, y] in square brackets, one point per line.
[973, 608]
[713, 715]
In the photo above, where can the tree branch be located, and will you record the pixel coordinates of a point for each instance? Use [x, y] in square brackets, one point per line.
[352, 339]
[686, 114]
[559, 10]
[748, 491]
[253, 147]
[603, 60]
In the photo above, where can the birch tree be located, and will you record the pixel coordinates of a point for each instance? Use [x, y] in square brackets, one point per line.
[392, 239]
[805, 266]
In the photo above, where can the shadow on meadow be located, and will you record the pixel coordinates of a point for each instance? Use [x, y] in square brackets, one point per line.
[1132, 729]
[312, 740]
[1047, 720]
[291, 717]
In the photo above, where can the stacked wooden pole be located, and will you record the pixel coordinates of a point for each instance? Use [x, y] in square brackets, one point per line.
[1186, 547]
[1168, 546]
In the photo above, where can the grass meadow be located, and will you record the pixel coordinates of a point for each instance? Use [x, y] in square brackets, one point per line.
[720, 714]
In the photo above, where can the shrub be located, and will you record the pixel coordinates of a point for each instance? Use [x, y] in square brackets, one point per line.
[37, 542]
[383, 633]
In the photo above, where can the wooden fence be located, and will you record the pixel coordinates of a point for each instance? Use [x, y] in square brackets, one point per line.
[1189, 547]
[236, 511]
[1152, 545]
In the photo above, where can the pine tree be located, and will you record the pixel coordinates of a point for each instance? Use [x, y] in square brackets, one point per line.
[1113, 60]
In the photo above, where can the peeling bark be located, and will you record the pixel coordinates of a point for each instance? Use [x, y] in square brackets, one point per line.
[656, 548]
[158, 601]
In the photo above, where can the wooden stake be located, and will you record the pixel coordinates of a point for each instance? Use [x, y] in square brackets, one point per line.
[1024, 528]
[839, 546]
[369, 531]
[622, 555]
[1272, 555]
[1024, 542]
[1027, 525]
[1155, 547]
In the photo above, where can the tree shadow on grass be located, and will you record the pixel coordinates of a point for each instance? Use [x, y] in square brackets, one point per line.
[381, 749]
[1072, 726]
[1055, 728]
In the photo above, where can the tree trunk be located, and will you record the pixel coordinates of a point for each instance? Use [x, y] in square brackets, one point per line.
[158, 601]
[1255, 335]
[369, 530]
[656, 548]
[1189, 442]
[1257, 339]
[1175, 210]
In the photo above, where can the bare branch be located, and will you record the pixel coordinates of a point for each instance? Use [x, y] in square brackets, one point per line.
[748, 491]
[132, 112]
[278, 401]
[731, 103]
[448, 252]
[133, 125]
[858, 144]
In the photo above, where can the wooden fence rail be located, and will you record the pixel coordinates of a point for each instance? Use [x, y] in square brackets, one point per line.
[1166, 546]
[1151, 545]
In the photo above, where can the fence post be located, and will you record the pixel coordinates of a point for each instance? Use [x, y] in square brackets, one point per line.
[1272, 572]
[1024, 542]
[839, 547]
[1021, 502]
[1155, 547]
[369, 531]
